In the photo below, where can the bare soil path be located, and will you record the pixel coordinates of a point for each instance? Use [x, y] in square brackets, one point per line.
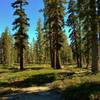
[34, 93]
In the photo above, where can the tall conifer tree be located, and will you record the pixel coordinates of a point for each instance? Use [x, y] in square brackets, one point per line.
[20, 25]
[40, 41]
[7, 47]
[54, 23]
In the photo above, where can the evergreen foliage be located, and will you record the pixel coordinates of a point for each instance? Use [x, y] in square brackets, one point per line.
[20, 25]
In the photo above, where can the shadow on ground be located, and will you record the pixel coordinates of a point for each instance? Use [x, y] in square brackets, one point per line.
[86, 91]
[54, 94]
[37, 80]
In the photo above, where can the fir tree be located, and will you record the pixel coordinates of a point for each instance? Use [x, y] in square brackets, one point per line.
[7, 47]
[75, 37]
[40, 41]
[94, 38]
[54, 23]
[20, 25]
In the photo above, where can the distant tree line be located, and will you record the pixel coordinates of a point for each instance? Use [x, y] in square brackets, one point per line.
[36, 52]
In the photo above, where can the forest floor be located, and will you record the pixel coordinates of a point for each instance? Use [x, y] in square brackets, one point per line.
[40, 82]
[33, 83]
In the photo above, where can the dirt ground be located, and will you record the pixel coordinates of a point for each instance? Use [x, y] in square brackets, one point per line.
[35, 93]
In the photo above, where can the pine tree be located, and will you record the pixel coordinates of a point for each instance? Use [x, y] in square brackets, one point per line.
[31, 54]
[87, 14]
[20, 25]
[98, 16]
[35, 52]
[85, 18]
[46, 48]
[94, 38]
[26, 53]
[40, 41]
[65, 52]
[12, 54]
[75, 32]
[54, 23]
[7, 48]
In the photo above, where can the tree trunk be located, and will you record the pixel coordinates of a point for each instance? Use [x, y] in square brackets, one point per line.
[80, 55]
[94, 54]
[87, 63]
[53, 58]
[77, 59]
[98, 3]
[80, 61]
[87, 57]
[94, 37]
[52, 55]
[77, 54]
[21, 59]
[58, 66]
